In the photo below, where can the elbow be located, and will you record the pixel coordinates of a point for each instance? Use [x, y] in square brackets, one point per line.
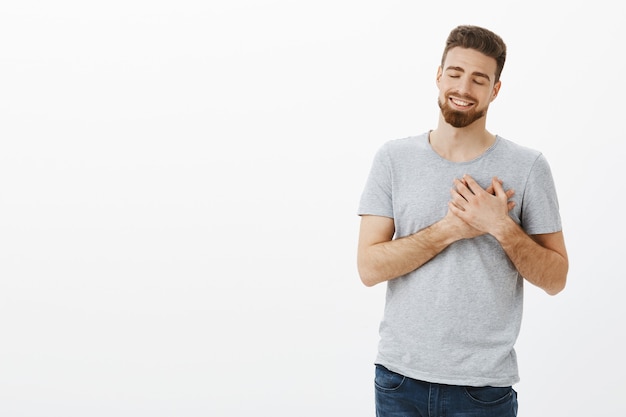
[555, 289]
[557, 283]
[367, 277]
[368, 283]
[368, 274]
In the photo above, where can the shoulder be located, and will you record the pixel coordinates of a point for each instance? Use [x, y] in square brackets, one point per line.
[515, 153]
[515, 147]
[530, 164]
[403, 146]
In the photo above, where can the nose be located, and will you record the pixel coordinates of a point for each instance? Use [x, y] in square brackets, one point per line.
[465, 85]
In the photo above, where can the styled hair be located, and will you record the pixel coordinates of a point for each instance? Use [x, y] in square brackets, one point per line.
[479, 39]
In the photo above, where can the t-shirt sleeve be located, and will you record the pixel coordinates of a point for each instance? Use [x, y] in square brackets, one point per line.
[376, 198]
[540, 206]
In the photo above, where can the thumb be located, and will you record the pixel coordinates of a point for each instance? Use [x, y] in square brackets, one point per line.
[490, 189]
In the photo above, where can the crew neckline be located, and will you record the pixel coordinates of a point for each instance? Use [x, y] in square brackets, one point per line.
[481, 156]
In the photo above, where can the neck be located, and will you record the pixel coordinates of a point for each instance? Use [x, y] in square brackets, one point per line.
[461, 144]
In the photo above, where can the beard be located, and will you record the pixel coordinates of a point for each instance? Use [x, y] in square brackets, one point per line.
[459, 118]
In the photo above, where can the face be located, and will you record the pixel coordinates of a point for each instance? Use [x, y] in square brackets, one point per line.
[466, 85]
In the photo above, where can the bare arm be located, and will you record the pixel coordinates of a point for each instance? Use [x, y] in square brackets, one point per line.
[540, 259]
[381, 258]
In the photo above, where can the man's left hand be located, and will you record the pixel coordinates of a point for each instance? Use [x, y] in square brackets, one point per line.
[483, 209]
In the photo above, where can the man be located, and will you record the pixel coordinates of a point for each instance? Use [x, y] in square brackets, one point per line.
[454, 220]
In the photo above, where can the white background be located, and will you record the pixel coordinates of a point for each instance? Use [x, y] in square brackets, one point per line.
[179, 184]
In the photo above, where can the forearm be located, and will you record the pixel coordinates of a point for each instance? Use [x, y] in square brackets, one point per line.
[391, 259]
[542, 266]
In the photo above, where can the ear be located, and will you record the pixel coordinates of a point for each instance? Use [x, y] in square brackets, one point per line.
[439, 73]
[496, 90]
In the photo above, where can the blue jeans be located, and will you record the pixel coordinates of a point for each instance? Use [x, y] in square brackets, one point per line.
[400, 396]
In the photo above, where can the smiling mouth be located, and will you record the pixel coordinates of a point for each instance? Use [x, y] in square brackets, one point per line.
[460, 103]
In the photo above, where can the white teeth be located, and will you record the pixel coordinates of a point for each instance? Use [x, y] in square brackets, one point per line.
[460, 102]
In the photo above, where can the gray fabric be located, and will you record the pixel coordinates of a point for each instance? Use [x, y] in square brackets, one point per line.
[455, 320]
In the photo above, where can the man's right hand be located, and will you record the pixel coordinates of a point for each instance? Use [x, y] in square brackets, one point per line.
[463, 230]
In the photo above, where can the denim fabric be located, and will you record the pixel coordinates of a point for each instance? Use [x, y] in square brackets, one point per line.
[400, 396]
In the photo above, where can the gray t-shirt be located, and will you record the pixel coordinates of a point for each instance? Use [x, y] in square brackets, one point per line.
[455, 319]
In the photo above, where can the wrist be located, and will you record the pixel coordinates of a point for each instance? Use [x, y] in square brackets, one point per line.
[447, 231]
[503, 228]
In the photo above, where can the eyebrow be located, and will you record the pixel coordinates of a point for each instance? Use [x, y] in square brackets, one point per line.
[475, 73]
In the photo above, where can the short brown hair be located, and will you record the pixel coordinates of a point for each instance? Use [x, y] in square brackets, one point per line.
[480, 39]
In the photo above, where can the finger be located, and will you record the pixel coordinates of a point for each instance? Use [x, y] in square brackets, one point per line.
[471, 184]
[510, 205]
[490, 189]
[497, 186]
[454, 209]
[462, 189]
[457, 199]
